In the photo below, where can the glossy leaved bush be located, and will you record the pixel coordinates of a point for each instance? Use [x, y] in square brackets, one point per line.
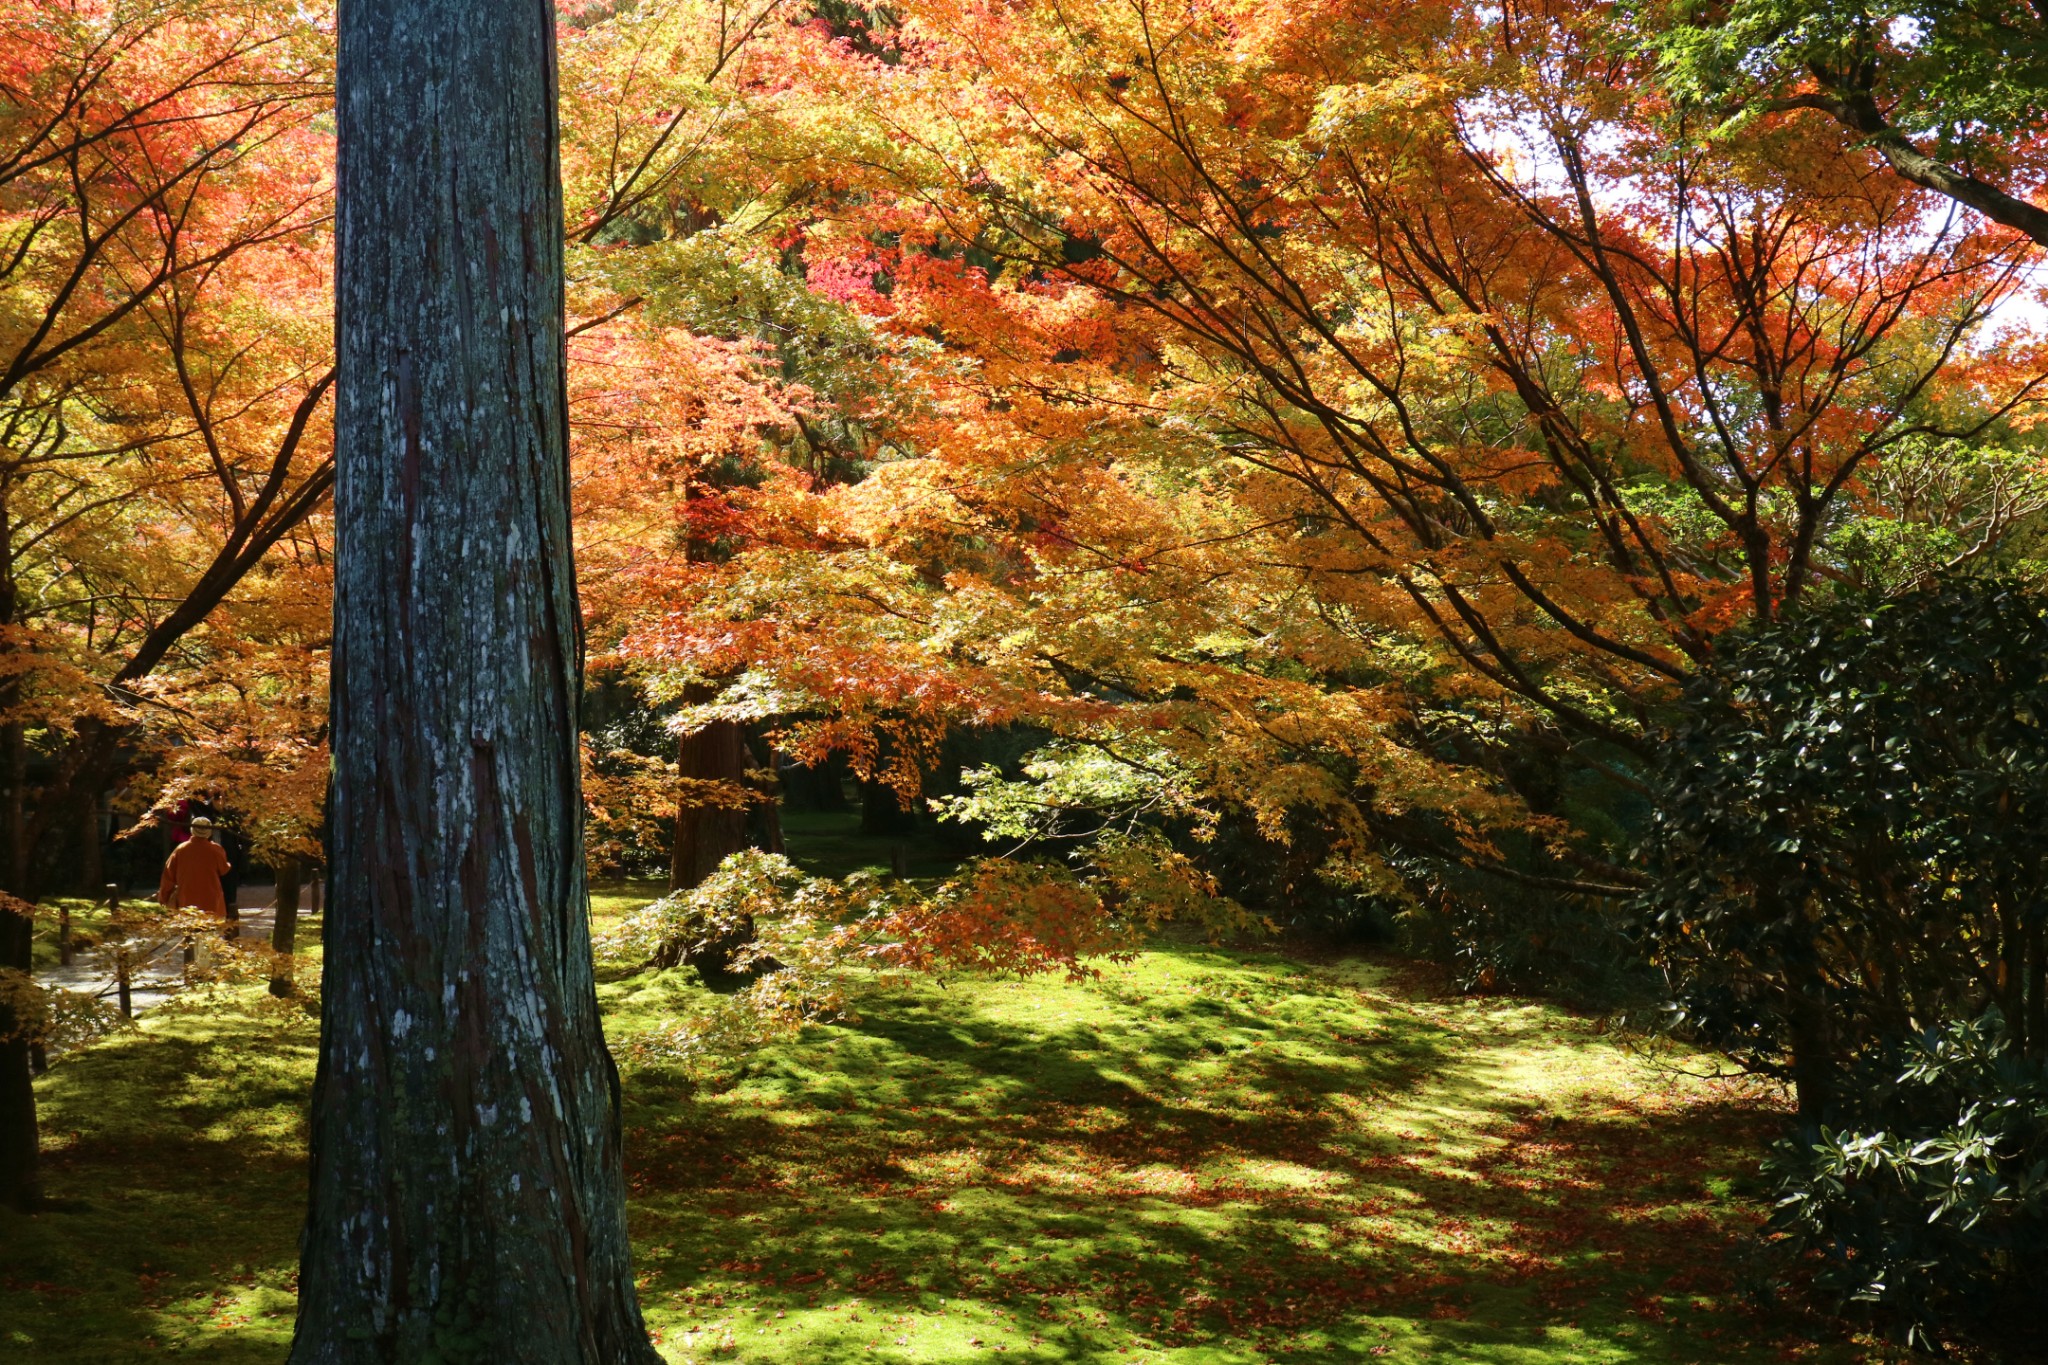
[1927, 1199]
[1846, 846]
[1849, 894]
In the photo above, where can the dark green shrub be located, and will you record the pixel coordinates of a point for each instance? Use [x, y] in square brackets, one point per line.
[1927, 1196]
[1282, 881]
[1850, 891]
[1505, 936]
[1848, 843]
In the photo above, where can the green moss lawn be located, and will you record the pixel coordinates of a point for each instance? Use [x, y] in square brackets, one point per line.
[1205, 1156]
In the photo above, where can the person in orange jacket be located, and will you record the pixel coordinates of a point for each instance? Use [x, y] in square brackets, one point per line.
[192, 873]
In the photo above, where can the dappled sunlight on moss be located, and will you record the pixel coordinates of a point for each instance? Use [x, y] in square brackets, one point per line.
[1201, 1157]
[179, 1152]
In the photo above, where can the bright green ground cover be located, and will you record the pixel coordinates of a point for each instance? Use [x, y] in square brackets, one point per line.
[1204, 1157]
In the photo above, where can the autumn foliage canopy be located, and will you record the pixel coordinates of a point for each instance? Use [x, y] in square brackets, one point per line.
[1332, 431]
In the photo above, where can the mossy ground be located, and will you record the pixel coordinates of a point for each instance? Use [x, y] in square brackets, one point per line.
[1204, 1156]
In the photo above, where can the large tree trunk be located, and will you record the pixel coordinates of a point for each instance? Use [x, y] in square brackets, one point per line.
[467, 1200]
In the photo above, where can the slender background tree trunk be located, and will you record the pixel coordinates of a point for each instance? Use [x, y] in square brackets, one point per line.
[467, 1202]
[92, 845]
[284, 927]
[19, 1136]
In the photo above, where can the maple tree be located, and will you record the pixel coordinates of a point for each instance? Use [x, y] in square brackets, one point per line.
[1375, 433]
[165, 351]
[1326, 442]
[1330, 426]
[681, 221]
[1950, 95]
[163, 369]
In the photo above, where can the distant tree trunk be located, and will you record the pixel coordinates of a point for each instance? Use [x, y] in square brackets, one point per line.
[816, 787]
[284, 930]
[13, 817]
[467, 1201]
[92, 841]
[1810, 1037]
[882, 812]
[764, 817]
[707, 832]
[231, 882]
[2037, 986]
[19, 1139]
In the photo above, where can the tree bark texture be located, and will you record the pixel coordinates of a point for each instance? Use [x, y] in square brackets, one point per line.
[707, 832]
[467, 1200]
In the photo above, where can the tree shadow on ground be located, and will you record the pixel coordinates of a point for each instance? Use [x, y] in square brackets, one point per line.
[1124, 1185]
[1226, 1162]
[186, 1147]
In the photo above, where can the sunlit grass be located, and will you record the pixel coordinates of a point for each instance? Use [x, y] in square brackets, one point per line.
[1203, 1157]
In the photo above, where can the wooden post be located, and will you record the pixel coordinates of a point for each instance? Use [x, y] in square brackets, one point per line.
[231, 900]
[123, 978]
